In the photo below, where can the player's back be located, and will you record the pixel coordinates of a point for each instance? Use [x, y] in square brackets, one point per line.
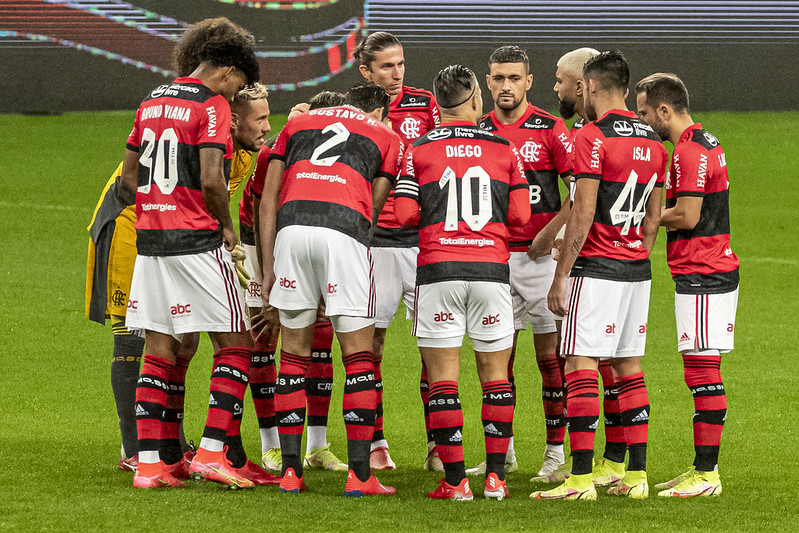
[629, 159]
[173, 123]
[701, 257]
[331, 156]
[464, 178]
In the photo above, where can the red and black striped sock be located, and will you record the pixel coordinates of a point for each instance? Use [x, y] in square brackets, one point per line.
[359, 403]
[552, 397]
[378, 434]
[446, 423]
[511, 375]
[151, 398]
[170, 449]
[228, 384]
[497, 415]
[424, 393]
[634, 408]
[319, 377]
[703, 377]
[582, 406]
[290, 408]
[263, 374]
[615, 445]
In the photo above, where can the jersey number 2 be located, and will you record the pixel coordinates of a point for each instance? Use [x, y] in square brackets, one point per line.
[340, 135]
[484, 203]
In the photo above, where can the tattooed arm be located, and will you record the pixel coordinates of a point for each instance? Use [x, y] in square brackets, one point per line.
[578, 224]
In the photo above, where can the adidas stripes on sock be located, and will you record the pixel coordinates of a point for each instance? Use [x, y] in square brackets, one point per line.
[582, 406]
[228, 385]
[703, 377]
[290, 408]
[634, 408]
[446, 423]
[359, 406]
[497, 416]
[151, 398]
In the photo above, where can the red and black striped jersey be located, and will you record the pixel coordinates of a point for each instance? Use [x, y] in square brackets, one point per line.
[412, 113]
[701, 259]
[254, 187]
[173, 123]
[629, 159]
[465, 187]
[332, 155]
[545, 146]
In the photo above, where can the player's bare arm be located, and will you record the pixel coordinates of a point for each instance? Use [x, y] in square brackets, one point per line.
[381, 187]
[579, 223]
[267, 224]
[684, 214]
[128, 180]
[544, 241]
[649, 227]
[215, 193]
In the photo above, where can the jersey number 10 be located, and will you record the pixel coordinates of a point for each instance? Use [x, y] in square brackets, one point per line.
[484, 203]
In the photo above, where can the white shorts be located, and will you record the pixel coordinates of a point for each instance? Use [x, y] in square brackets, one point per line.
[529, 284]
[313, 262]
[706, 321]
[252, 296]
[186, 293]
[452, 308]
[606, 318]
[395, 278]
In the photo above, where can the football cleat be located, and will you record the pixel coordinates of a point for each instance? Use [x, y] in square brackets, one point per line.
[495, 489]
[155, 476]
[323, 459]
[699, 484]
[460, 493]
[191, 452]
[257, 475]
[215, 467]
[676, 481]
[558, 476]
[576, 487]
[432, 462]
[634, 485]
[356, 488]
[272, 459]
[129, 464]
[511, 465]
[180, 470]
[379, 459]
[552, 461]
[291, 484]
[607, 473]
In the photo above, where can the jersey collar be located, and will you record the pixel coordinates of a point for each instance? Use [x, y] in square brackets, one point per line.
[689, 131]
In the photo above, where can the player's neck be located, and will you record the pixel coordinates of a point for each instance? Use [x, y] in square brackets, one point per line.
[608, 102]
[511, 116]
[680, 123]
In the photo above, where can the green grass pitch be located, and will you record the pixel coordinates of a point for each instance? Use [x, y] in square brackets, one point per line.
[59, 440]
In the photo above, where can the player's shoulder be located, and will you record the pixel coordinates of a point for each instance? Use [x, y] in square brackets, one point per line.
[415, 98]
[460, 132]
[621, 125]
[701, 137]
[539, 119]
[486, 123]
[189, 89]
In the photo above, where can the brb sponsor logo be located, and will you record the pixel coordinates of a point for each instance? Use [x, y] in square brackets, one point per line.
[530, 151]
[180, 309]
[443, 317]
[286, 283]
[410, 128]
[491, 320]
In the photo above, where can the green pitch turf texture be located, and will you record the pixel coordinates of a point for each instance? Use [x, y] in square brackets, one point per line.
[59, 441]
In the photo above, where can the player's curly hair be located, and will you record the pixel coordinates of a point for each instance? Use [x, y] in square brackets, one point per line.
[220, 42]
[610, 69]
[454, 86]
[664, 88]
[367, 97]
[366, 51]
[326, 99]
[510, 54]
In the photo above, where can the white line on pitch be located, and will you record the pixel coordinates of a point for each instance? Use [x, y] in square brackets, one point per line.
[51, 207]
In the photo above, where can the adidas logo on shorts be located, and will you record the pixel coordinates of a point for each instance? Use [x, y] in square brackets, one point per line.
[292, 418]
[352, 417]
[684, 337]
[457, 437]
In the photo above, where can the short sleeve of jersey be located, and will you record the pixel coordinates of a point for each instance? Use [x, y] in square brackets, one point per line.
[561, 148]
[393, 157]
[215, 124]
[408, 184]
[686, 177]
[134, 139]
[587, 153]
[259, 174]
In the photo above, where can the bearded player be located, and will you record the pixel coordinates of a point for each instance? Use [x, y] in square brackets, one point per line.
[545, 145]
[704, 268]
